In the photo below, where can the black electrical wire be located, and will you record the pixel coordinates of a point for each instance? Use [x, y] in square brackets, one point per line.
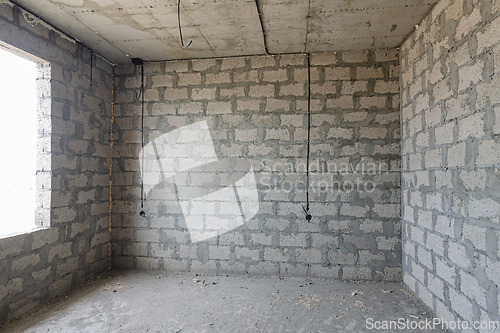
[179, 21]
[306, 209]
[142, 140]
[139, 62]
[91, 65]
[262, 26]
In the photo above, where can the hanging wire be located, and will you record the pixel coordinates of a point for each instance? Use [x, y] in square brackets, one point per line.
[306, 209]
[112, 120]
[262, 25]
[139, 62]
[179, 21]
[91, 65]
[142, 213]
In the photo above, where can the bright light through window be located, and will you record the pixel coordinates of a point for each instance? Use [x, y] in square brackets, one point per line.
[18, 135]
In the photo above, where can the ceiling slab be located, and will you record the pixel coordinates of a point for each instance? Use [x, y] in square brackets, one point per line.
[124, 29]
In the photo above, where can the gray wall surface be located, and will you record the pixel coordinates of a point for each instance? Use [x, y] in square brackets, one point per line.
[450, 156]
[73, 170]
[256, 111]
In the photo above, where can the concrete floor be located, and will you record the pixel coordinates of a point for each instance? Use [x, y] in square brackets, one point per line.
[185, 302]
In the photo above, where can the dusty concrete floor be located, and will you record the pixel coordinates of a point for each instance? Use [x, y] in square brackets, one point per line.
[185, 302]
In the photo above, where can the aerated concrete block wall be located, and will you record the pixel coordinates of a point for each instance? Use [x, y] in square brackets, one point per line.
[256, 111]
[450, 95]
[73, 170]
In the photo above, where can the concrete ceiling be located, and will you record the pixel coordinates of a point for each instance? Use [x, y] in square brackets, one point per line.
[125, 29]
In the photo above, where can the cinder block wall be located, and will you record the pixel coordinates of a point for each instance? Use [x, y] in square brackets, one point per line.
[450, 95]
[74, 170]
[256, 110]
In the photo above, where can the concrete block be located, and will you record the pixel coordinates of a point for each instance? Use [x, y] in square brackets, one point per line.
[386, 118]
[444, 134]
[496, 126]
[262, 91]
[190, 108]
[148, 264]
[278, 75]
[349, 88]
[470, 75]
[344, 102]
[246, 255]
[263, 61]
[292, 120]
[339, 258]
[280, 255]
[174, 265]
[318, 271]
[219, 252]
[460, 304]
[308, 255]
[293, 269]
[388, 243]
[433, 159]
[22, 263]
[250, 76]
[61, 251]
[40, 275]
[320, 240]
[292, 60]
[70, 265]
[277, 105]
[261, 239]
[487, 93]
[214, 108]
[365, 73]
[340, 133]
[387, 210]
[176, 66]
[233, 63]
[301, 74]
[488, 36]
[295, 89]
[488, 152]
[356, 273]
[180, 93]
[469, 287]
[442, 90]
[372, 132]
[355, 116]
[337, 73]
[421, 141]
[264, 268]
[354, 56]
[232, 92]
[217, 78]
[251, 105]
[383, 87]
[475, 234]
[277, 134]
[323, 59]
[199, 94]
[456, 155]
[382, 55]
[298, 240]
[372, 102]
[249, 135]
[160, 81]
